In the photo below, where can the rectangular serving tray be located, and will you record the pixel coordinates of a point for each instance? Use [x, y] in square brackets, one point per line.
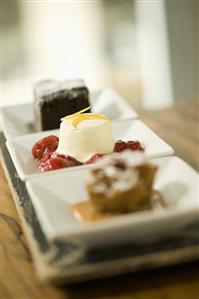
[69, 262]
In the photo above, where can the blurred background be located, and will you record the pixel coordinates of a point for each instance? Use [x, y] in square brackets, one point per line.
[146, 50]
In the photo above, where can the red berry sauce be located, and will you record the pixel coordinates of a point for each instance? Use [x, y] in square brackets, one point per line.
[95, 158]
[57, 161]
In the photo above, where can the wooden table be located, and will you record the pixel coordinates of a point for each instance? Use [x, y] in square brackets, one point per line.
[179, 126]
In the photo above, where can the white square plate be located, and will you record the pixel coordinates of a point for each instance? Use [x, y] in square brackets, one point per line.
[20, 147]
[18, 120]
[52, 197]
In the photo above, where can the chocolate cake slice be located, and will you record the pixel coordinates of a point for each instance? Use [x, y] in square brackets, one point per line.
[55, 99]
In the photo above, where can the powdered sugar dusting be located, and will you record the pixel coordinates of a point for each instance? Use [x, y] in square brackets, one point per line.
[117, 172]
[46, 87]
[129, 158]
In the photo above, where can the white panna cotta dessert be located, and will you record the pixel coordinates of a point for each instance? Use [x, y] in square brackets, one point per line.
[83, 135]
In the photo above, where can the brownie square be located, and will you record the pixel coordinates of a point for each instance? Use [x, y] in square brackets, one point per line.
[54, 100]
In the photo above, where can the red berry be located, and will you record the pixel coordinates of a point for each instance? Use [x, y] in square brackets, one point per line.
[121, 146]
[45, 146]
[135, 145]
[95, 158]
[43, 160]
[57, 161]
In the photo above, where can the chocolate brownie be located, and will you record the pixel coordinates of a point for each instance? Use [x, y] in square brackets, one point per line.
[54, 100]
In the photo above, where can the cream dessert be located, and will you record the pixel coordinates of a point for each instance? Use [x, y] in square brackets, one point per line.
[84, 139]
[83, 135]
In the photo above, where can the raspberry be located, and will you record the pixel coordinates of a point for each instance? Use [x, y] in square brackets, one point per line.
[45, 146]
[95, 158]
[57, 161]
[135, 145]
[121, 146]
[44, 159]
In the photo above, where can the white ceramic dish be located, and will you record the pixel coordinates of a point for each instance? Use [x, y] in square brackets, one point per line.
[18, 120]
[20, 147]
[53, 195]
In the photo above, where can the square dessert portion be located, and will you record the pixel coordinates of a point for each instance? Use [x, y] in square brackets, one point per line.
[55, 99]
[122, 183]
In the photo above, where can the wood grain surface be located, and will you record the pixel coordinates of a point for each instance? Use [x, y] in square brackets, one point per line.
[179, 126]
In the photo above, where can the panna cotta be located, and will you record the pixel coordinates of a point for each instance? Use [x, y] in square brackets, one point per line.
[83, 135]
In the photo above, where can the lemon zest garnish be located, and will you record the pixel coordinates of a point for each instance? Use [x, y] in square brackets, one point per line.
[81, 117]
[76, 113]
[78, 116]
